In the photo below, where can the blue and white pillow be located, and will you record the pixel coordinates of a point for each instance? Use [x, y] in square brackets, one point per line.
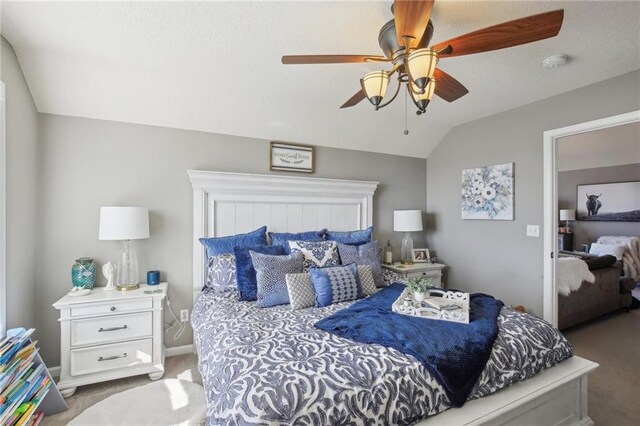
[271, 272]
[316, 254]
[221, 273]
[282, 238]
[246, 273]
[221, 245]
[366, 254]
[336, 284]
[357, 237]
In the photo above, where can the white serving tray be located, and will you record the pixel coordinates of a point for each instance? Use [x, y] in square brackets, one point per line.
[441, 305]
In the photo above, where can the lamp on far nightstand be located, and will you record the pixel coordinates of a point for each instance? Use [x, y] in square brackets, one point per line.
[567, 215]
[125, 224]
[407, 221]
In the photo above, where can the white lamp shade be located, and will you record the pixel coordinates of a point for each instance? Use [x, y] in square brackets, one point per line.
[123, 223]
[375, 85]
[422, 65]
[407, 220]
[567, 214]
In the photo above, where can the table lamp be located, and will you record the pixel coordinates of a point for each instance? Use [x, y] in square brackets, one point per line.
[567, 215]
[125, 224]
[407, 221]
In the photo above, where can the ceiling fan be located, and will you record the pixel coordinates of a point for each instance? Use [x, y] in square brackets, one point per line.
[404, 41]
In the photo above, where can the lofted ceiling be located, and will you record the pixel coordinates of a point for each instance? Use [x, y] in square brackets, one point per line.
[215, 66]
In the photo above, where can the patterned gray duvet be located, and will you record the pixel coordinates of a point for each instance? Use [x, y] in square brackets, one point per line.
[272, 366]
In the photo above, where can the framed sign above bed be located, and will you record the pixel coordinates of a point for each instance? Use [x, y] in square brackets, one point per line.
[288, 157]
[609, 202]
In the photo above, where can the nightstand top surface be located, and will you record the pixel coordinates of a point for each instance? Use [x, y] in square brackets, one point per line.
[99, 295]
[399, 267]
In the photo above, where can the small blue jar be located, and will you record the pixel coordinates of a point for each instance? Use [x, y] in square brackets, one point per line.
[153, 277]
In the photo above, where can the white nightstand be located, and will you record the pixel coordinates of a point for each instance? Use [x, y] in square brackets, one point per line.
[107, 335]
[430, 270]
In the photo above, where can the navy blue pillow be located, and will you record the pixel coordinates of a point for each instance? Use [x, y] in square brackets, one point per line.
[227, 244]
[246, 273]
[357, 237]
[281, 238]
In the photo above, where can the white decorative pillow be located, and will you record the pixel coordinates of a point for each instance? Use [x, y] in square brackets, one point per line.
[221, 272]
[366, 279]
[602, 249]
[301, 292]
[316, 254]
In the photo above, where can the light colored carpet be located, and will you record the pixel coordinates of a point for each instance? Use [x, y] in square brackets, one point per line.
[163, 402]
[614, 388]
[613, 342]
[182, 367]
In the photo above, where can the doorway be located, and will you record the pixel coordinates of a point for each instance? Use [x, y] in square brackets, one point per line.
[550, 195]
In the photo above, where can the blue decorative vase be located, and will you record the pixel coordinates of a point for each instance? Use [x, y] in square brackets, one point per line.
[83, 273]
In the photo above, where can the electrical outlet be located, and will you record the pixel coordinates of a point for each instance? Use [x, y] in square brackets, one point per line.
[533, 231]
[184, 315]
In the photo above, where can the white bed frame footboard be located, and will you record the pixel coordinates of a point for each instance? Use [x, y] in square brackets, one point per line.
[231, 203]
[557, 396]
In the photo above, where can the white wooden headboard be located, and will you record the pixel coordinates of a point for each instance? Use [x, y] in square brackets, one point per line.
[232, 203]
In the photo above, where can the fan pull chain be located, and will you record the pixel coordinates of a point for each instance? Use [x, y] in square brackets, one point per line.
[406, 131]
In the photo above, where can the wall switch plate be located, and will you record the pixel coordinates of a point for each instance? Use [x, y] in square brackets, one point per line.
[184, 315]
[533, 230]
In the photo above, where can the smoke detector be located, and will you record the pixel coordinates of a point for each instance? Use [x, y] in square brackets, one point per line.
[555, 61]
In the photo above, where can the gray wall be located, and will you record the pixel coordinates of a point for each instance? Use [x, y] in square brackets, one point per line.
[21, 184]
[90, 163]
[586, 232]
[496, 256]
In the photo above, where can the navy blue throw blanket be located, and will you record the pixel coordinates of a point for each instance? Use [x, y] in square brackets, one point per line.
[455, 354]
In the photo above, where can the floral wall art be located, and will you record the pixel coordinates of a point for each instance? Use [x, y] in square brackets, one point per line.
[487, 192]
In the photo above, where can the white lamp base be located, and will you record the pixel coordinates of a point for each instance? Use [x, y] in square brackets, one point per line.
[128, 287]
[406, 250]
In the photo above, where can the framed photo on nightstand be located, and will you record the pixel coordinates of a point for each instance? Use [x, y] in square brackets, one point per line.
[420, 255]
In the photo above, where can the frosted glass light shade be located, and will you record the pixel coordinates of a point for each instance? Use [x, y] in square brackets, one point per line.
[567, 214]
[422, 65]
[375, 86]
[123, 223]
[407, 220]
[422, 99]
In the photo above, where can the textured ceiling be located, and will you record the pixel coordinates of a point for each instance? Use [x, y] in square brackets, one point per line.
[215, 66]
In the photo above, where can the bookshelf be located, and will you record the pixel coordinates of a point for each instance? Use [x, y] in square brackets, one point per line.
[27, 389]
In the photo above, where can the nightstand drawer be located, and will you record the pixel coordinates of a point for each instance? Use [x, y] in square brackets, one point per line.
[111, 357]
[115, 307]
[111, 328]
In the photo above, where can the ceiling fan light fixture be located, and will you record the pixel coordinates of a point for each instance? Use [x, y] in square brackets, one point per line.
[375, 86]
[422, 99]
[421, 64]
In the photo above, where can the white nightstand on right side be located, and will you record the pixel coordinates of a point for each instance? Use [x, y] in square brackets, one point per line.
[430, 270]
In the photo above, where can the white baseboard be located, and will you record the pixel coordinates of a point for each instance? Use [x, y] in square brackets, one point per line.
[174, 351]
[179, 350]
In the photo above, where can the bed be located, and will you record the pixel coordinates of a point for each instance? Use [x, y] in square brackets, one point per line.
[273, 366]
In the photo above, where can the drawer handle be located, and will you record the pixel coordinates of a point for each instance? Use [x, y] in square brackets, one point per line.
[113, 308]
[112, 328]
[109, 358]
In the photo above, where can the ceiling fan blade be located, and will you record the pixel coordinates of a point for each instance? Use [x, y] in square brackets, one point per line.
[412, 18]
[331, 59]
[447, 87]
[508, 34]
[354, 100]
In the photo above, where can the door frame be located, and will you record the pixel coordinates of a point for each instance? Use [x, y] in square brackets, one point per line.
[550, 224]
